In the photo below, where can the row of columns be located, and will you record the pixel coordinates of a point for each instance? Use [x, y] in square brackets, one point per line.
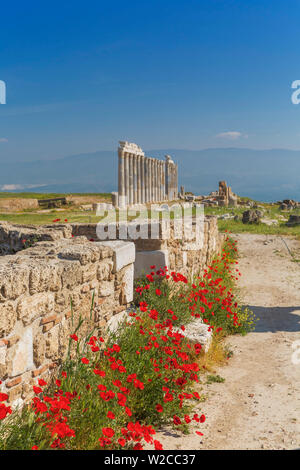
[143, 179]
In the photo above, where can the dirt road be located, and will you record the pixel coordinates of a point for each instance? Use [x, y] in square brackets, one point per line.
[258, 405]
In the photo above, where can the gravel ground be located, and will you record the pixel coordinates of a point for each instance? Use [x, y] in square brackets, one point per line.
[258, 405]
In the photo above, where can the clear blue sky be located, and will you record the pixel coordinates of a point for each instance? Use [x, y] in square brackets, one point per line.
[165, 74]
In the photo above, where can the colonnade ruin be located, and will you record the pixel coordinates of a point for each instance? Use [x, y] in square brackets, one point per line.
[143, 179]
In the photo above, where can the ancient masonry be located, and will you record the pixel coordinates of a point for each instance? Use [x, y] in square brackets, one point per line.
[226, 197]
[61, 264]
[143, 179]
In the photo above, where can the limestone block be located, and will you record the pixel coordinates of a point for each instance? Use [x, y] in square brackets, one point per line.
[127, 284]
[30, 308]
[39, 348]
[116, 320]
[145, 259]
[72, 274]
[84, 253]
[124, 253]
[8, 318]
[14, 396]
[3, 362]
[89, 272]
[14, 281]
[52, 344]
[45, 277]
[104, 270]
[197, 332]
[106, 288]
[22, 359]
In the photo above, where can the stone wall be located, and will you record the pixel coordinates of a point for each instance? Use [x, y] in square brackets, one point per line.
[180, 254]
[14, 236]
[37, 286]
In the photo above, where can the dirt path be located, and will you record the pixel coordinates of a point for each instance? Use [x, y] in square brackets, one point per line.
[258, 405]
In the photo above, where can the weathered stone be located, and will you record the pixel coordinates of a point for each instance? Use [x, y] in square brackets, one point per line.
[106, 288]
[41, 280]
[251, 216]
[104, 271]
[14, 280]
[293, 220]
[124, 253]
[145, 259]
[8, 318]
[127, 285]
[52, 344]
[30, 308]
[39, 349]
[22, 358]
[72, 274]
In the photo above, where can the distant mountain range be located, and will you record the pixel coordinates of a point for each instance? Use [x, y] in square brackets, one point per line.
[266, 175]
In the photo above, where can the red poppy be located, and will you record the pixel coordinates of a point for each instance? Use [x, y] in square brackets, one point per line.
[108, 432]
[159, 408]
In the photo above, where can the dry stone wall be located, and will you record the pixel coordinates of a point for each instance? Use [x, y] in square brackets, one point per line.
[37, 286]
[180, 254]
[13, 237]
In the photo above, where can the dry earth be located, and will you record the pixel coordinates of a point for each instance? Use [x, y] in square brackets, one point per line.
[258, 405]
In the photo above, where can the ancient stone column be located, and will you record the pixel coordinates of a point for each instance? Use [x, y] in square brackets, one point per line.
[163, 182]
[173, 181]
[146, 179]
[149, 179]
[130, 179]
[142, 176]
[138, 178]
[126, 177]
[159, 180]
[134, 171]
[153, 180]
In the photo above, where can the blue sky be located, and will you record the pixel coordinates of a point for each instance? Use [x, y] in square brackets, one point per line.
[165, 74]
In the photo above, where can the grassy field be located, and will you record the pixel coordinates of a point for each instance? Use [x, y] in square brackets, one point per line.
[74, 213]
[34, 218]
[8, 195]
[271, 212]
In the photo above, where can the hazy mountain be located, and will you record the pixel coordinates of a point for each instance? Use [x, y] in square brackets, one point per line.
[260, 174]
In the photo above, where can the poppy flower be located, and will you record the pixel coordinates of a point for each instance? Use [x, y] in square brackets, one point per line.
[108, 432]
[3, 397]
[176, 420]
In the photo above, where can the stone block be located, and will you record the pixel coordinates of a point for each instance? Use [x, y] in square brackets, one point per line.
[8, 318]
[145, 259]
[37, 305]
[22, 356]
[127, 285]
[14, 280]
[124, 253]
